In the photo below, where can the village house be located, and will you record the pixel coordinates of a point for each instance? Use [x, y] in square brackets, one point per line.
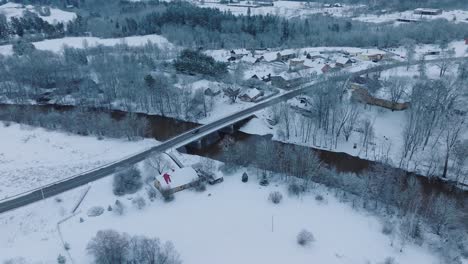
[296, 64]
[176, 180]
[375, 57]
[427, 11]
[250, 95]
[285, 55]
[343, 62]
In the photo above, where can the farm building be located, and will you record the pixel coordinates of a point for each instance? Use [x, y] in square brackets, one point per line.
[427, 11]
[176, 180]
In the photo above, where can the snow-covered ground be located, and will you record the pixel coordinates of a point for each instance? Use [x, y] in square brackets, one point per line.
[56, 45]
[32, 157]
[456, 16]
[288, 9]
[232, 222]
[17, 10]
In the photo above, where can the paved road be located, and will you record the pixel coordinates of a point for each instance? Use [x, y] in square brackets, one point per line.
[178, 141]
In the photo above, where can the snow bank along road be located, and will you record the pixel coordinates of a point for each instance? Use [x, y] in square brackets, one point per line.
[181, 140]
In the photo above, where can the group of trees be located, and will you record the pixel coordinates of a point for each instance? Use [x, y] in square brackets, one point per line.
[111, 247]
[79, 121]
[30, 25]
[120, 77]
[435, 123]
[195, 62]
[191, 26]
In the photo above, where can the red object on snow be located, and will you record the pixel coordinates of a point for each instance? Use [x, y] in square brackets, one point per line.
[167, 178]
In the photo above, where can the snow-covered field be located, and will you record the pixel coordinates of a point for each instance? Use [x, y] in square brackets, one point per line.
[56, 45]
[32, 157]
[232, 222]
[17, 10]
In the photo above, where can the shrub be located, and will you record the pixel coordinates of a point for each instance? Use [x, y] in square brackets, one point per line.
[168, 195]
[264, 181]
[127, 182]
[245, 177]
[81, 220]
[387, 228]
[275, 197]
[139, 202]
[389, 260]
[296, 189]
[152, 193]
[95, 211]
[66, 246]
[305, 238]
[119, 208]
[199, 186]
[319, 198]
[61, 259]
[109, 208]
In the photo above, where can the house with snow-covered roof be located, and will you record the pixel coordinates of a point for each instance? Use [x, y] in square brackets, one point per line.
[250, 95]
[343, 62]
[175, 180]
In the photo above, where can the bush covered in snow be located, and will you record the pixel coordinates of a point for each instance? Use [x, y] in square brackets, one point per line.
[275, 197]
[95, 211]
[61, 259]
[109, 247]
[119, 208]
[264, 180]
[198, 186]
[245, 177]
[319, 198]
[305, 238]
[127, 182]
[139, 202]
[168, 195]
[296, 189]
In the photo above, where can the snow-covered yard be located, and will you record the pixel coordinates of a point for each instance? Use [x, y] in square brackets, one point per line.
[56, 45]
[232, 222]
[32, 157]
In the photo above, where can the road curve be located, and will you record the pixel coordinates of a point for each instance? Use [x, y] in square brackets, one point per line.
[180, 140]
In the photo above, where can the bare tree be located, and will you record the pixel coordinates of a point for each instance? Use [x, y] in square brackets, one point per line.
[109, 247]
[453, 125]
